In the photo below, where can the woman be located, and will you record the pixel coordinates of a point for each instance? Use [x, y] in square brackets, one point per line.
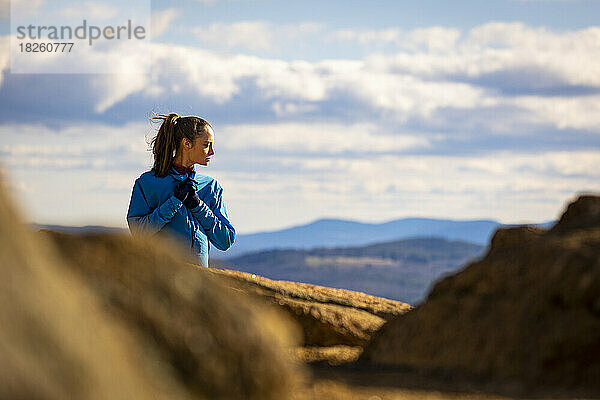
[172, 199]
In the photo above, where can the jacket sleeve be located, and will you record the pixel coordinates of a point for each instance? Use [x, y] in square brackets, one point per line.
[215, 222]
[143, 220]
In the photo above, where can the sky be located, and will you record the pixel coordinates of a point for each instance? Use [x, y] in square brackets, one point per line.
[361, 110]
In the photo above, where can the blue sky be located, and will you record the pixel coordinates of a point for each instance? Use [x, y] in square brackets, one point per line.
[361, 110]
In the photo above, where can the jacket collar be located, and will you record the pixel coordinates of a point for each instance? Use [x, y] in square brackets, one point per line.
[179, 176]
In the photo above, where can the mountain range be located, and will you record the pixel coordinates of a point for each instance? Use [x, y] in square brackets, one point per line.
[399, 270]
[338, 232]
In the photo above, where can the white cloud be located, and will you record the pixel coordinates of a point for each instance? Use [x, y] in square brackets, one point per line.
[252, 35]
[217, 77]
[505, 186]
[450, 71]
[95, 9]
[407, 96]
[96, 146]
[573, 55]
[282, 109]
[552, 59]
[421, 83]
[390, 35]
[297, 30]
[296, 79]
[277, 175]
[317, 138]
[430, 184]
[23, 7]
[111, 89]
[192, 71]
[162, 20]
[435, 38]
[579, 112]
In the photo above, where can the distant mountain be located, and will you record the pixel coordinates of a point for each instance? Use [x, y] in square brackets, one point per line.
[337, 232]
[400, 270]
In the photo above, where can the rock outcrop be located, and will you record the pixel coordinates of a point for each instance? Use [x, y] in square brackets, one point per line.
[327, 316]
[219, 343]
[56, 341]
[529, 310]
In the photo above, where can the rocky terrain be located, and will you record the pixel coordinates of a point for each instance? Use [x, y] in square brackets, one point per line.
[102, 316]
[327, 317]
[216, 340]
[528, 312]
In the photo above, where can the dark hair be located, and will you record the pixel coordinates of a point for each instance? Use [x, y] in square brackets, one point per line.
[172, 129]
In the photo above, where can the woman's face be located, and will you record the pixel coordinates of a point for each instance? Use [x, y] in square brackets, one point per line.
[202, 148]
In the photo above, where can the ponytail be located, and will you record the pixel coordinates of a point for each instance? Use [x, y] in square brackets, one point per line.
[164, 144]
[172, 129]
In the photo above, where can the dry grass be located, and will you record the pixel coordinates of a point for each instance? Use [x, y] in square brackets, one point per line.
[327, 317]
[381, 307]
[333, 355]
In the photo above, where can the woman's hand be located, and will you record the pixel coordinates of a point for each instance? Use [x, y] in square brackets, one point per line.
[192, 200]
[181, 190]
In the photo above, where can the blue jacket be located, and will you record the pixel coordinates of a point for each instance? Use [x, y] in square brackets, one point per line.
[154, 209]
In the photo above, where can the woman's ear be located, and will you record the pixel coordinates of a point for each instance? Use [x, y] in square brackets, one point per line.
[186, 143]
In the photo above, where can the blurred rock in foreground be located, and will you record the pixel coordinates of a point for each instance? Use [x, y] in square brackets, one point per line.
[56, 341]
[529, 310]
[219, 343]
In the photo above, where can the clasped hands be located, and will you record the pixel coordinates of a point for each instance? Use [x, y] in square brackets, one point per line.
[186, 192]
